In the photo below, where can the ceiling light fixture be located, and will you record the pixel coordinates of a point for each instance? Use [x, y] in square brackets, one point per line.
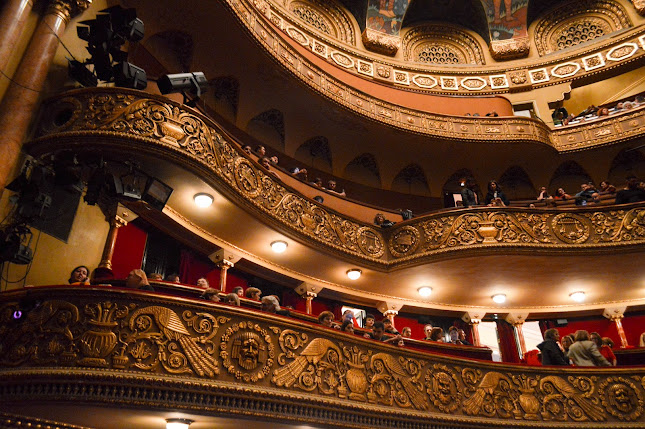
[279, 246]
[425, 291]
[354, 273]
[178, 423]
[203, 199]
[577, 296]
[499, 298]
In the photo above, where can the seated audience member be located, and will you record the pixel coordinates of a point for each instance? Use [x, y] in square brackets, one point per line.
[468, 194]
[495, 196]
[318, 183]
[203, 283]
[211, 294]
[260, 151]
[319, 199]
[79, 276]
[561, 195]
[619, 106]
[453, 333]
[566, 342]
[253, 293]
[326, 318]
[274, 160]
[641, 343]
[173, 278]
[436, 334]
[389, 327]
[606, 188]
[238, 290]
[379, 220]
[605, 351]
[406, 332]
[378, 334]
[299, 173]
[331, 187]
[608, 342]
[584, 351]
[586, 195]
[628, 105]
[406, 214]
[271, 304]
[558, 115]
[427, 330]
[492, 114]
[231, 299]
[348, 315]
[137, 279]
[347, 326]
[246, 148]
[639, 100]
[544, 194]
[603, 111]
[369, 321]
[264, 162]
[550, 349]
[462, 338]
[155, 276]
[632, 194]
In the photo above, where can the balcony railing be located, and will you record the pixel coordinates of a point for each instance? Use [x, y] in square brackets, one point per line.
[132, 122]
[119, 347]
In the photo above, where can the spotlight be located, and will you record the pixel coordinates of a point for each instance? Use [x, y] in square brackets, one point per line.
[577, 296]
[203, 200]
[279, 246]
[156, 193]
[178, 423]
[500, 298]
[128, 75]
[425, 291]
[193, 83]
[354, 274]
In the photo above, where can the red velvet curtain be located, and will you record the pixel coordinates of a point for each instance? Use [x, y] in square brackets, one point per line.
[507, 344]
[128, 250]
[193, 266]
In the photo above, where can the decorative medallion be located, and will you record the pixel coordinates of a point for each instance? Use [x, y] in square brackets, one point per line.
[621, 398]
[518, 77]
[444, 388]
[498, 81]
[363, 67]
[401, 77]
[342, 59]
[622, 52]
[319, 48]
[570, 228]
[449, 83]
[246, 177]
[370, 242]
[247, 351]
[298, 36]
[424, 81]
[473, 83]
[565, 70]
[404, 241]
[593, 62]
[539, 75]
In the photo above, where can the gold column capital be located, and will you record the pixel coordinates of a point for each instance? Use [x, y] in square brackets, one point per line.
[67, 9]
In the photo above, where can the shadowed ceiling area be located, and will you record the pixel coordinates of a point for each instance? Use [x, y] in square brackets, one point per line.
[466, 13]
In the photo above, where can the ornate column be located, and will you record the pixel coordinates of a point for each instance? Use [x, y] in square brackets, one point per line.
[474, 325]
[20, 100]
[308, 291]
[517, 320]
[12, 21]
[616, 315]
[104, 270]
[309, 297]
[224, 260]
[389, 310]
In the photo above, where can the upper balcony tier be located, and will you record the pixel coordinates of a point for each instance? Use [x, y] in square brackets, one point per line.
[192, 153]
[101, 347]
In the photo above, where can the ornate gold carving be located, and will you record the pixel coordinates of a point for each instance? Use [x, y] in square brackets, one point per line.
[444, 388]
[383, 71]
[518, 77]
[67, 9]
[247, 351]
[404, 241]
[441, 44]
[640, 6]
[381, 43]
[326, 16]
[509, 49]
[577, 22]
[570, 228]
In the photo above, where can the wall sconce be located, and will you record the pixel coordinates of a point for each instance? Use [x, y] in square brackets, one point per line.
[203, 200]
[178, 423]
[425, 291]
[500, 298]
[354, 274]
[279, 246]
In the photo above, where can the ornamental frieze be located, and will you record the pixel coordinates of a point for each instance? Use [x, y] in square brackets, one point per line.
[108, 333]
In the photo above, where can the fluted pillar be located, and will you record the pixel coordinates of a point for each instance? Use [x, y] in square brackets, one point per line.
[104, 270]
[520, 336]
[20, 101]
[390, 315]
[224, 265]
[616, 314]
[12, 21]
[474, 324]
[309, 297]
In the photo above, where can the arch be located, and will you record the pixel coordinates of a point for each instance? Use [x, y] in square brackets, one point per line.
[628, 162]
[441, 44]
[516, 184]
[226, 94]
[411, 180]
[174, 48]
[575, 22]
[453, 185]
[328, 17]
[364, 169]
[268, 127]
[315, 152]
[569, 175]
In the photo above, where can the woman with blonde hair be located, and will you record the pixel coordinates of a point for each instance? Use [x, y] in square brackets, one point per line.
[137, 279]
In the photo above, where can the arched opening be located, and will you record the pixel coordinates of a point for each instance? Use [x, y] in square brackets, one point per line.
[569, 176]
[364, 169]
[411, 180]
[315, 152]
[268, 127]
[516, 184]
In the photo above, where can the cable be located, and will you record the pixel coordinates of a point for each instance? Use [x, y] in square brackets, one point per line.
[19, 84]
[59, 39]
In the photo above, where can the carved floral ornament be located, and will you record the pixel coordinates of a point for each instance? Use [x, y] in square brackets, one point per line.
[151, 123]
[214, 347]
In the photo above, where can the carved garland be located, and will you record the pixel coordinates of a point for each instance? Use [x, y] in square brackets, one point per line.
[122, 333]
[577, 22]
[464, 46]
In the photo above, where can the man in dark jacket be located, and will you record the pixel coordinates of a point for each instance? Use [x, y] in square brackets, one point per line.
[552, 354]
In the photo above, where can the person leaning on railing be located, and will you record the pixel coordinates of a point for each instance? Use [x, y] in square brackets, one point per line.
[79, 276]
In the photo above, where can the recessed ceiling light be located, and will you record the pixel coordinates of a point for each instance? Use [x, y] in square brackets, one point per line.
[354, 273]
[279, 246]
[500, 298]
[178, 423]
[425, 291]
[577, 296]
[203, 199]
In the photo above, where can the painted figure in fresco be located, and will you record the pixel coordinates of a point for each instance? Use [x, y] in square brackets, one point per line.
[507, 18]
[386, 15]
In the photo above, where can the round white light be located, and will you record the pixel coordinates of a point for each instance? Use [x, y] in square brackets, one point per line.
[178, 423]
[500, 298]
[425, 291]
[354, 274]
[203, 200]
[279, 246]
[578, 296]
